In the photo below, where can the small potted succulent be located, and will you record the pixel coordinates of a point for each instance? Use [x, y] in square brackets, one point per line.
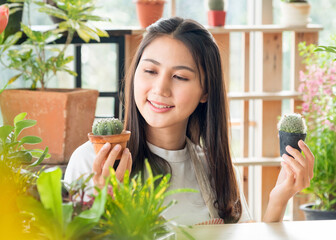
[216, 13]
[295, 13]
[109, 130]
[292, 128]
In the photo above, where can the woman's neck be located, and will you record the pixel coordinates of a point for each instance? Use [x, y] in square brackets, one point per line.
[166, 138]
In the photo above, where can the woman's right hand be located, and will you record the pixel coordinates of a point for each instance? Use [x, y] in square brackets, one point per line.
[105, 160]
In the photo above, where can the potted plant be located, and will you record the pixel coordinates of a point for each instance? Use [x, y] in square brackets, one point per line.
[109, 130]
[292, 128]
[216, 13]
[295, 13]
[149, 11]
[64, 115]
[319, 109]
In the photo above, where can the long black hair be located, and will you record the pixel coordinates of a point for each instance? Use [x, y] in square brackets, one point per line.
[208, 125]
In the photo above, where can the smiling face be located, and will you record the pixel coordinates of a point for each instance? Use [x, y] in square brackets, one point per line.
[167, 86]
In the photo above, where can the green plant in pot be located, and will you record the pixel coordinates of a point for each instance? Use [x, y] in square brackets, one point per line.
[318, 94]
[36, 61]
[292, 128]
[109, 130]
[216, 13]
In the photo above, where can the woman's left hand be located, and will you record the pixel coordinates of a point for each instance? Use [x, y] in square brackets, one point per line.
[295, 174]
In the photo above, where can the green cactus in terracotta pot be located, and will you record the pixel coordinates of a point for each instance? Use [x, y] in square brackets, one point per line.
[109, 130]
[292, 128]
[107, 126]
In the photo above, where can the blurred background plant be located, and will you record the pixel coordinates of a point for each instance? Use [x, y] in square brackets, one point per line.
[37, 59]
[318, 88]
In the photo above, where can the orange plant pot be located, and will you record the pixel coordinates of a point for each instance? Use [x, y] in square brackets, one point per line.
[216, 18]
[149, 11]
[64, 117]
[98, 141]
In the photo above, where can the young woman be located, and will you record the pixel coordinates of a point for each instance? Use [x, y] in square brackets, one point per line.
[176, 109]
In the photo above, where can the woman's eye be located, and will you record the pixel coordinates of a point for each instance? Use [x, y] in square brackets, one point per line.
[180, 78]
[149, 71]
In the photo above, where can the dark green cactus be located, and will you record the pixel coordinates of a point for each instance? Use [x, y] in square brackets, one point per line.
[107, 126]
[292, 123]
[216, 5]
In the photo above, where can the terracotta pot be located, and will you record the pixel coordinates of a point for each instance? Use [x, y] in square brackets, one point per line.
[149, 11]
[98, 141]
[216, 18]
[64, 117]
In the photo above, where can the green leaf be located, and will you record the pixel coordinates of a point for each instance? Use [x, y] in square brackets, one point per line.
[4, 132]
[13, 79]
[21, 156]
[43, 217]
[30, 140]
[84, 35]
[42, 157]
[87, 219]
[67, 213]
[20, 117]
[20, 125]
[49, 187]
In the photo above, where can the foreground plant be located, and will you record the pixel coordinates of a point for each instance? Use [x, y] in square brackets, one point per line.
[134, 211]
[16, 176]
[52, 219]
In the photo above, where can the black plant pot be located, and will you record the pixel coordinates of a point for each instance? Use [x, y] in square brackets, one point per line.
[290, 139]
[14, 22]
[316, 214]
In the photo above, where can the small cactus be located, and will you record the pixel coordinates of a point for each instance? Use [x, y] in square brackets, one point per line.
[292, 123]
[107, 126]
[216, 5]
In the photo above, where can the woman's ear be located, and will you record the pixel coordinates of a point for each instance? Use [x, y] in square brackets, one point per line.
[204, 98]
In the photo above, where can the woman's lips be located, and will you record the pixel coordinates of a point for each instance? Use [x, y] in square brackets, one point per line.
[159, 107]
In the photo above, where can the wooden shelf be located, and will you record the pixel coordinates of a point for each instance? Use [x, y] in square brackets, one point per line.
[254, 161]
[263, 95]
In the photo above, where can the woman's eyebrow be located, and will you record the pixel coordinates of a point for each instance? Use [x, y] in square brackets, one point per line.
[175, 67]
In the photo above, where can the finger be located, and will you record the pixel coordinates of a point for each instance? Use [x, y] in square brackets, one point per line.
[310, 157]
[100, 158]
[289, 173]
[120, 172]
[129, 164]
[300, 173]
[110, 160]
[297, 155]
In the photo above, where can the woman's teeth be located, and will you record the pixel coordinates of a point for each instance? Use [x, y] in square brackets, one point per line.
[160, 106]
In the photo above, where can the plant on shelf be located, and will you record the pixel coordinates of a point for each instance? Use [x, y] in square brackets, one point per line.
[16, 172]
[292, 128]
[295, 13]
[216, 13]
[318, 90]
[149, 11]
[36, 59]
[109, 130]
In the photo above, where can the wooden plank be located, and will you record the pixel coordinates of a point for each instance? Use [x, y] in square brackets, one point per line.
[270, 96]
[132, 43]
[272, 82]
[223, 43]
[257, 161]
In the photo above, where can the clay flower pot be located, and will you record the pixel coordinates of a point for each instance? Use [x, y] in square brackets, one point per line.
[216, 18]
[98, 141]
[149, 11]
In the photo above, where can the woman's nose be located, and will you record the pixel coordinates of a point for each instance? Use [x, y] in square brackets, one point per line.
[161, 86]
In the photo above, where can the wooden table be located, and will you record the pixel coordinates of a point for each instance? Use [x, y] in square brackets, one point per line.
[294, 230]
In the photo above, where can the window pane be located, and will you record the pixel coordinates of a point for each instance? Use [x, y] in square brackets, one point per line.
[105, 107]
